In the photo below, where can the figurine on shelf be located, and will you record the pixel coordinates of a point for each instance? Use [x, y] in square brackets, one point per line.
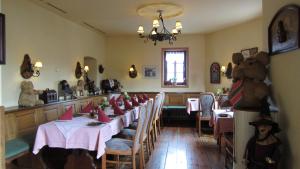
[28, 96]
[262, 151]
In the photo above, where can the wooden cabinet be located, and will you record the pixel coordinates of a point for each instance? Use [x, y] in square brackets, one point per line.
[23, 121]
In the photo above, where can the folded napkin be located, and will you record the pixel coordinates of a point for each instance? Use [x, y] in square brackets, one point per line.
[141, 99]
[112, 100]
[102, 116]
[88, 108]
[114, 103]
[120, 98]
[118, 111]
[127, 105]
[67, 115]
[134, 102]
[145, 97]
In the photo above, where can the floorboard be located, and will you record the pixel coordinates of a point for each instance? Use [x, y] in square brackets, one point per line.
[181, 148]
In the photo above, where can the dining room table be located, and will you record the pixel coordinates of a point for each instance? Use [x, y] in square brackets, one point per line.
[83, 132]
[222, 121]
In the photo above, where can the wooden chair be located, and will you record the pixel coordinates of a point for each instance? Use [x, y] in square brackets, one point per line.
[124, 147]
[151, 128]
[207, 101]
[130, 133]
[158, 120]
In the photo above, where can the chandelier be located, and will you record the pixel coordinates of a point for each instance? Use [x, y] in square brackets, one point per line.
[164, 34]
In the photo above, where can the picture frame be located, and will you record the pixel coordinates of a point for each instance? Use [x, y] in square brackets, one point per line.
[283, 31]
[150, 71]
[215, 73]
[249, 52]
[2, 39]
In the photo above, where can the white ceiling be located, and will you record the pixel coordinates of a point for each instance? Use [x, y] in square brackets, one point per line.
[114, 17]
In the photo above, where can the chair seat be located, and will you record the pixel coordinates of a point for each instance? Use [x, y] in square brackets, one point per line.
[15, 147]
[118, 144]
[128, 132]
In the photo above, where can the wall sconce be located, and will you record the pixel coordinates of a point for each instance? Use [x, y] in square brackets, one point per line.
[86, 69]
[132, 71]
[28, 69]
[223, 70]
[37, 66]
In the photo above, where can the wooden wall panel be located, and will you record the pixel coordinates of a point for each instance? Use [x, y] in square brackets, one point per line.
[2, 138]
[50, 113]
[26, 122]
[176, 99]
[10, 126]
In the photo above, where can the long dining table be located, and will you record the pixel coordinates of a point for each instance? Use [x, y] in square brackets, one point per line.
[78, 133]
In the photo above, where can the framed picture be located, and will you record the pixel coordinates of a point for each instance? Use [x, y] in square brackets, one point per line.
[283, 32]
[150, 71]
[2, 38]
[249, 52]
[215, 73]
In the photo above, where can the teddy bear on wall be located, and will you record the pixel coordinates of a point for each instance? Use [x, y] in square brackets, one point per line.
[248, 89]
[28, 96]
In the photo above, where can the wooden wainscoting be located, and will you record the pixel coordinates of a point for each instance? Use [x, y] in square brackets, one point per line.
[23, 121]
[2, 138]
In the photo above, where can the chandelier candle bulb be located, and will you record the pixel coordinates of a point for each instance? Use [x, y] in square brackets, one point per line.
[38, 64]
[178, 25]
[155, 23]
[141, 30]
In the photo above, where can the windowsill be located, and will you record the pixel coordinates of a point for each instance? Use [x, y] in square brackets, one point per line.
[174, 86]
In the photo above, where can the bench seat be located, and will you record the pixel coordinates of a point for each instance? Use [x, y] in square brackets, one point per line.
[15, 147]
[174, 107]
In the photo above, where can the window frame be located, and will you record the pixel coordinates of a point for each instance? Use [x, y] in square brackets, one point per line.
[164, 68]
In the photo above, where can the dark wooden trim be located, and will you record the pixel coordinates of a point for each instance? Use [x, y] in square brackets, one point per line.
[186, 67]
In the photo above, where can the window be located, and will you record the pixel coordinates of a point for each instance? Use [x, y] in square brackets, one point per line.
[175, 67]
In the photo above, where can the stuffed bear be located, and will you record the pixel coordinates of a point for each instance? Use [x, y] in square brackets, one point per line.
[248, 87]
[28, 96]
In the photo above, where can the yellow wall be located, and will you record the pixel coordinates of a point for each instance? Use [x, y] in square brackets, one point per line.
[286, 79]
[123, 51]
[221, 44]
[57, 42]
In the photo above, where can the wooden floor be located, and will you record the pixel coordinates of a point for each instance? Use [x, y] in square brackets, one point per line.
[181, 148]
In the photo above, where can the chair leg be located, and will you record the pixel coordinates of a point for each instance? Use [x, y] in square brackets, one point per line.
[142, 157]
[158, 126]
[118, 162]
[152, 139]
[155, 130]
[103, 165]
[133, 162]
[147, 147]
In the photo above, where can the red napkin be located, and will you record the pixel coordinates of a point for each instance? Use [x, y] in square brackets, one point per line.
[140, 99]
[114, 103]
[102, 116]
[112, 100]
[120, 98]
[127, 105]
[68, 115]
[118, 111]
[134, 102]
[145, 97]
[88, 108]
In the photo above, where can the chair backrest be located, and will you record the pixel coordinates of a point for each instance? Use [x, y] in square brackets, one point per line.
[163, 95]
[207, 101]
[155, 109]
[142, 116]
[149, 107]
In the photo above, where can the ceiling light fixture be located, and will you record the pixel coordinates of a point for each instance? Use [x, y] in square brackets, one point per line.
[156, 35]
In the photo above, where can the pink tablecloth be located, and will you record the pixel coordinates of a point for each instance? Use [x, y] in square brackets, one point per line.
[222, 124]
[192, 104]
[85, 137]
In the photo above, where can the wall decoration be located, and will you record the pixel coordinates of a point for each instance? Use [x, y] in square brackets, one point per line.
[78, 71]
[100, 69]
[249, 52]
[2, 39]
[215, 73]
[284, 30]
[150, 71]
